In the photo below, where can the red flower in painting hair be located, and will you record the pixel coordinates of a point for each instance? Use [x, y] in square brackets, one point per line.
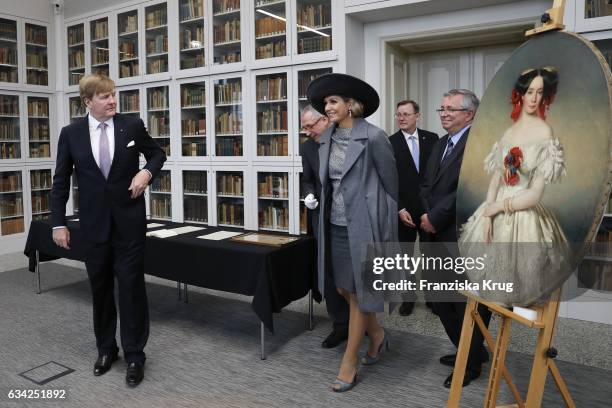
[512, 164]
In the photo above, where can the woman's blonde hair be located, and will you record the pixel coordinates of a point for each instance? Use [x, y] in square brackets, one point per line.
[356, 107]
[93, 84]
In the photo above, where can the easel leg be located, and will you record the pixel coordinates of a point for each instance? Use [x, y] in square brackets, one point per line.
[178, 290]
[515, 392]
[561, 385]
[499, 357]
[310, 310]
[463, 350]
[263, 340]
[37, 273]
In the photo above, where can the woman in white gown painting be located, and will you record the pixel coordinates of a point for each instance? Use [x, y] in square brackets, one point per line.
[523, 241]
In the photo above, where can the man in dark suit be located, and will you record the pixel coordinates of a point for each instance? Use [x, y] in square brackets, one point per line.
[439, 194]
[103, 148]
[314, 124]
[412, 148]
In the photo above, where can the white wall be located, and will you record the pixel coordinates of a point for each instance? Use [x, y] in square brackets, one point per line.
[455, 21]
[33, 9]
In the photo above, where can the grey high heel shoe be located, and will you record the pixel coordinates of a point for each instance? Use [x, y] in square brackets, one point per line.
[344, 386]
[369, 360]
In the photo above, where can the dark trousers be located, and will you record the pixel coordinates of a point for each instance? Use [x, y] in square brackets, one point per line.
[407, 237]
[123, 260]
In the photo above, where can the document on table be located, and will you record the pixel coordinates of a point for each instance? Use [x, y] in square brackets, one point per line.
[185, 229]
[220, 235]
[162, 233]
[154, 225]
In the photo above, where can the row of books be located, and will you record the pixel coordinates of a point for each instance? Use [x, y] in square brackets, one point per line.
[306, 78]
[194, 60]
[156, 18]
[40, 201]
[303, 218]
[99, 29]
[228, 31]
[190, 9]
[272, 88]
[272, 120]
[276, 145]
[191, 37]
[261, 3]
[195, 182]
[195, 209]
[595, 275]
[161, 206]
[130, 101]
[602, 246]
[76, 59]
[229, 57]
[12, 226]
[273, 185]
[37, 78]
[314, 44]
[41, 217]
[597, 8]
[36, 34]
[9, 129]
[165, 145]
[8, 30]
[157, 44]
[157, 66]
[271, 50]
[99, 55]
[229, 146]
[10, 150]
[159, 126]
[128, 69]
[229, 122]
[230, 92]
[162, 183]
[8, 55]
[230, 213]
[193, 127]
[39, 130]
[76, 108]
[40, 150]
[38, 107]
[127, 50]
[9, 76]
[223, 6]
[193, 96]
[75, 76]
[274, 217]
[40, 179]
[194, 148]
[36, 60]
[11, 206]
[158, 98]
[9, 105]
[128, 23]
[314, 15]
[269, 26]
[76, 35]
[10, 181]
[230, 184]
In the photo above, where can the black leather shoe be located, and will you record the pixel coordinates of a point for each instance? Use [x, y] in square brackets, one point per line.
[449, 360]
[467, 379]
[406, 308]
[104, 363]
[134, 374]
[335, 337]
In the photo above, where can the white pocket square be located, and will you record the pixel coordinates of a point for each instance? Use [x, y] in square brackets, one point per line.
[130, 144]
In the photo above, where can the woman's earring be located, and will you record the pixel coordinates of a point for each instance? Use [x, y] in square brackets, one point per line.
[350, 112]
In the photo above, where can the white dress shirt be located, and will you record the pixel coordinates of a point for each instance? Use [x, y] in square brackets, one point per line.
[407, 137]
[94, 137]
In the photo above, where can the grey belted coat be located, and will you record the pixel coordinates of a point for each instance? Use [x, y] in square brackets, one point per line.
[369, 186]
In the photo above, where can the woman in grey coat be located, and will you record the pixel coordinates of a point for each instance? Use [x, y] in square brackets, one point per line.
[358, 207]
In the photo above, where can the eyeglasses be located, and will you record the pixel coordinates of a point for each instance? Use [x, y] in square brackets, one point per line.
[450, 111]
[307, 128]
[404, 115]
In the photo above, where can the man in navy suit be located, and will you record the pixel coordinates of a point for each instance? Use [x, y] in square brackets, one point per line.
[103, 149]
[439, 196]
[314, 124]
[411, 147]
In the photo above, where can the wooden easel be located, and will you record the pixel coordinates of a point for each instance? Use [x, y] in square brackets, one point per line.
[542, 362]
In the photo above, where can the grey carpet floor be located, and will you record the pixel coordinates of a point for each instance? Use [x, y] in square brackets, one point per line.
[206, 354]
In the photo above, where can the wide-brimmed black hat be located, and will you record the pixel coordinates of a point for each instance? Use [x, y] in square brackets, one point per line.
[343, 85]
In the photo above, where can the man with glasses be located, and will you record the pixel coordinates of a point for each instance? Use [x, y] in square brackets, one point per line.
[314, 124]
[438, 195]
[412, 148]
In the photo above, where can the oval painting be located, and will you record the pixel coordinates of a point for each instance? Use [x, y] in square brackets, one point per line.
[536, 171]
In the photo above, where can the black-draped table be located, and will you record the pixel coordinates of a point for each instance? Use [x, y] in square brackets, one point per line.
[273, 275]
